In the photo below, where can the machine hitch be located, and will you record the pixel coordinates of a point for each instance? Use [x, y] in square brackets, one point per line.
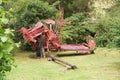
[69, 66]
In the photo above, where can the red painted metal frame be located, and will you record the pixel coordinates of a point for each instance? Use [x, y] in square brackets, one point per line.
[52, 41]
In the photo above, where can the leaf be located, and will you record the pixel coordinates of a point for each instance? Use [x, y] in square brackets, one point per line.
[4, 38]
[18, 44]
[4, 1]
[4, 20]
[1, 9]
[1, 68]
[1, 55]
[9, 48]
[7, 68]
[2, 31]
[9, 31]
[0, 1]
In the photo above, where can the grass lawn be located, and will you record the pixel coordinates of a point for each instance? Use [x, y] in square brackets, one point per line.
[103, 65]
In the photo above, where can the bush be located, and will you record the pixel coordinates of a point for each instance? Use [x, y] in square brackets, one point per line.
[6, 46]
[29, 14]
[108, 28]
[108, 23]
[77, 31]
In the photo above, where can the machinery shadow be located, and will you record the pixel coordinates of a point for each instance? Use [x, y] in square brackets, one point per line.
[59, 63]
[32, 56]
[71, 54]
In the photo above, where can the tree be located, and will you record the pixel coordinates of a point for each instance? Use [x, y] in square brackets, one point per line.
[71, 6]
[99, 7]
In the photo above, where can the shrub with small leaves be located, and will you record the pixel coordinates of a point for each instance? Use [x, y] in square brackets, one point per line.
[6, 45]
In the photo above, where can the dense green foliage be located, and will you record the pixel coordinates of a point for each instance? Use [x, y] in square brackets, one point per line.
[27, 12]
[108, 28]
[71, 6]
[31, 12]
[6, 45]
[106, 23]
[76, 32]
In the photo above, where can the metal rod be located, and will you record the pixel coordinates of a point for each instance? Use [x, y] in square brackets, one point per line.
[70, 66]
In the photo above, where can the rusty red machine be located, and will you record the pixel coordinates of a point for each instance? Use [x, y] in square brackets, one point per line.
[51, 39]
[53, 43]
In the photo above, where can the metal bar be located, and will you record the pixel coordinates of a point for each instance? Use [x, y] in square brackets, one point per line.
[70, 66]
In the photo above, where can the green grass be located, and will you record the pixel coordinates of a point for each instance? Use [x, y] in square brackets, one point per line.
[103, 65]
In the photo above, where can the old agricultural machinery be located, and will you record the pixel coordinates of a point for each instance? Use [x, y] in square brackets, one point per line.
[41, 37]
[41, 33]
